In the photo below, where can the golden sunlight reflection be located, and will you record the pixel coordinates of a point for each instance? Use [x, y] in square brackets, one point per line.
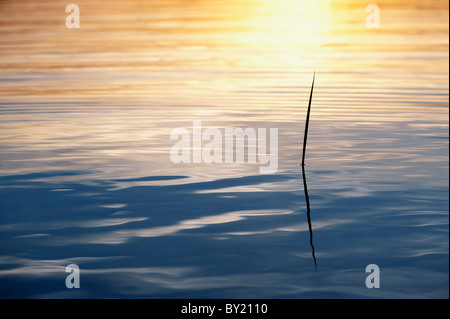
[135, 70]
[290, 22]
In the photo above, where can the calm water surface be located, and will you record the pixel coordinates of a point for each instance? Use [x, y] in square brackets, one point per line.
[85, 170]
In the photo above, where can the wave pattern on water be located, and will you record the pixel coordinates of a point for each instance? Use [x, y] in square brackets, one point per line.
[86, 176]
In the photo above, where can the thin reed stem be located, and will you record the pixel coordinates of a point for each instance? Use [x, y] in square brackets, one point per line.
[305, 136]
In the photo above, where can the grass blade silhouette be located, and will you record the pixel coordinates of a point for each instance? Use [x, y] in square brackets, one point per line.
[305, 136]
[305, 188]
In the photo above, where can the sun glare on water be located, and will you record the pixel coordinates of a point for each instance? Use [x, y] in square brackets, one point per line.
[290, 22]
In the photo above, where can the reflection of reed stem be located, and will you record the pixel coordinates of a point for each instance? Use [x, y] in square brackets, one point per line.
[308, 214]
[305, 136]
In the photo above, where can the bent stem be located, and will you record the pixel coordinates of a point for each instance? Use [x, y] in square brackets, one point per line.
[305, 187]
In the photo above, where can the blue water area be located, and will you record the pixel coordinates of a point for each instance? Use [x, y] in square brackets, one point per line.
[206, 240]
